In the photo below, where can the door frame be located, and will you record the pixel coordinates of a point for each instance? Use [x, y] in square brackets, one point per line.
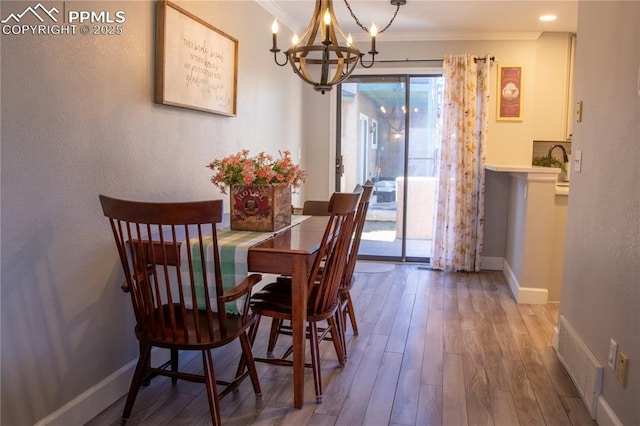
[336, 110]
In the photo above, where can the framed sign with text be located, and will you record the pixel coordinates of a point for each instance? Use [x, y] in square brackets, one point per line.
[509, 93]
[196, 64]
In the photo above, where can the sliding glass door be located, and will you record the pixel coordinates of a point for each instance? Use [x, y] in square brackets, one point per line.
[389, 131]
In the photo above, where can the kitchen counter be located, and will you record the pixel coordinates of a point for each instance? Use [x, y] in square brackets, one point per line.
[522, 169]
[534, 230]
[532, 173]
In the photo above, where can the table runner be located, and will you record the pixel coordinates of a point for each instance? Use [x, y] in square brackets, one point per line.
[234, 247]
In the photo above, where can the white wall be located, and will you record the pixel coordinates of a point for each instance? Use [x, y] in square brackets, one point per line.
[601, 285]
[78, 119]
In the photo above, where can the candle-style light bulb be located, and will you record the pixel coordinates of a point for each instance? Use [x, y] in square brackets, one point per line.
[274, 35]
[373, 31]
[349, 40]
[294, 40]
[327, 24]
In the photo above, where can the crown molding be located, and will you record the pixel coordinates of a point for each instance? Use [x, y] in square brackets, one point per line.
[454, 36]
[281, 15]
[289, 21]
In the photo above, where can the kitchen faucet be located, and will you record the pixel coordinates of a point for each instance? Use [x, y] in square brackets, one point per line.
[565, 158]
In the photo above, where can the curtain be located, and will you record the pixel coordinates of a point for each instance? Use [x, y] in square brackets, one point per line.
[458, 231]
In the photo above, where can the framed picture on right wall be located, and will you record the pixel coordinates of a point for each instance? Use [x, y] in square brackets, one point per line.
[509, 93]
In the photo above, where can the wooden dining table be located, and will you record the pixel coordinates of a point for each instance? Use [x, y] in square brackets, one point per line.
[289, 252]
[292, 252]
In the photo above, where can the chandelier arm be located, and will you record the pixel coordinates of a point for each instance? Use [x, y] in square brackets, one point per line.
[365, 29]
[275, 57]
[363, 65]
[319, 58]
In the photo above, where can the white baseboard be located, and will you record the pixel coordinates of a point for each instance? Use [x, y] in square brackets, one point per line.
[524, 295]
[605, 415]
[492, 263]
[94, 400]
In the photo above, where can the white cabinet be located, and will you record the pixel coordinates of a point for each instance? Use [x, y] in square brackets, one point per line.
[553, 97]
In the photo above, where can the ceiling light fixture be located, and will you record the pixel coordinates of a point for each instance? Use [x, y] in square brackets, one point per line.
[324, 56]
[548, 18]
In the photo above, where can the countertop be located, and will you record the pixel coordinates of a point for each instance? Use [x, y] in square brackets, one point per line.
[561, 188]
[521, 169]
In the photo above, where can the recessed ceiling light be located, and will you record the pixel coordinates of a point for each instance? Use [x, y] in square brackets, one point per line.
[548, 18]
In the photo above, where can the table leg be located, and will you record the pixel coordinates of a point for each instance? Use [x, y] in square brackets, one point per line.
[299, 314]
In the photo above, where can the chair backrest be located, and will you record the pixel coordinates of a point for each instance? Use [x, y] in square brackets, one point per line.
[170, 282]
[321, 208]
[329, 264]
[316, 208]
[361, 216]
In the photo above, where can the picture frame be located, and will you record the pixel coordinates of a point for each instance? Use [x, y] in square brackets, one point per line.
[196, 63]
[509, 104]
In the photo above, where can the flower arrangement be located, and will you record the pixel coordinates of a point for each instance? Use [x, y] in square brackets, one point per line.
[262, 169]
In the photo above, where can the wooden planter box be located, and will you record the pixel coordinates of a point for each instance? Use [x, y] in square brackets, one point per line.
[260, 208]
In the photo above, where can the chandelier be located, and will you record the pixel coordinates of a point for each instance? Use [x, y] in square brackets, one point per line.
[324, 56]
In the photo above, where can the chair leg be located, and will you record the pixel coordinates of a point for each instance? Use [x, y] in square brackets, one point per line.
[174, 364]
[146, 378]
[341, 317]
[337, 336]
[273, 335]
[137, 380]
[250, 363]
[315, 360]
[352, 314]
[253, 331]
[212, 391]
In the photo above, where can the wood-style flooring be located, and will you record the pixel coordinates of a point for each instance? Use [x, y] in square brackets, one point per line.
[434, 348]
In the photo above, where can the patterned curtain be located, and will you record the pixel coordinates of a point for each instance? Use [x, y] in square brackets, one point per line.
[458, 232]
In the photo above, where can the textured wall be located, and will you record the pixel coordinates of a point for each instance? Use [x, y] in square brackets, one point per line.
[601, 286]
[78, 119]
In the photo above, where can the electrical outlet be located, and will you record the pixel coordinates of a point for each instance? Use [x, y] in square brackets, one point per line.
[613, 353]
[622, 364]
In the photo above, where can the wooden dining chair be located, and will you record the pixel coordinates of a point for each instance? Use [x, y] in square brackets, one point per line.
[323, 285]
[282, 285]
[169, 254]
[315, 208]
[346, 304]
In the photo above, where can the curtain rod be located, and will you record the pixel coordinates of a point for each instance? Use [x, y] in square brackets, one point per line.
[491, 58]
[409, 60]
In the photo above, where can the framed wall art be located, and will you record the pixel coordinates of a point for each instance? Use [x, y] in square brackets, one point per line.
[509, 93]
[196, 63]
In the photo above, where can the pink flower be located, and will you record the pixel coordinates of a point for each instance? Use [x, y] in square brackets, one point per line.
[262, 169]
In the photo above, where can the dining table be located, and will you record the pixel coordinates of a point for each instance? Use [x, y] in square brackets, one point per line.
[292, 252]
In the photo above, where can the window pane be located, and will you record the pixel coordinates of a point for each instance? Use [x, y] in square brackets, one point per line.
[374, 119]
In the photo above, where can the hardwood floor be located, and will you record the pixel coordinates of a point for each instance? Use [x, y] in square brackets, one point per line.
[434, 348]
